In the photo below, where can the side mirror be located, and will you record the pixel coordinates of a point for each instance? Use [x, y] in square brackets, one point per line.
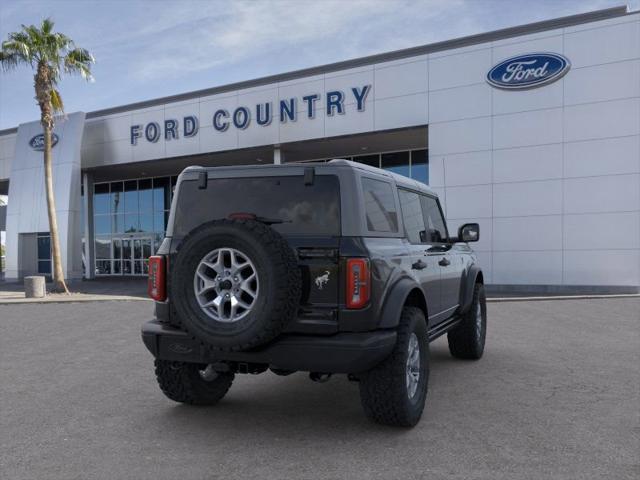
[469, 232]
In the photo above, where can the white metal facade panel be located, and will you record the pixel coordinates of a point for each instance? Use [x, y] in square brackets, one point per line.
[564, 158]
[27, 207]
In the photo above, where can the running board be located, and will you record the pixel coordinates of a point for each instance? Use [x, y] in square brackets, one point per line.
[442, 328]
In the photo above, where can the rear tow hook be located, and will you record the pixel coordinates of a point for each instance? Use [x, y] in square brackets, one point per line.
[319, 377]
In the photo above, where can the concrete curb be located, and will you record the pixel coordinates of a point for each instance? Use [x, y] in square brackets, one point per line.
[73, 299]
[560, 297]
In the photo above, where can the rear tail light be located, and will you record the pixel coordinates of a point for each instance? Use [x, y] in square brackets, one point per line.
[157, 281]
[358, 282]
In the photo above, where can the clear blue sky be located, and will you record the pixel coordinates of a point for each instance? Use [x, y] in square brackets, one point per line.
[149, 49]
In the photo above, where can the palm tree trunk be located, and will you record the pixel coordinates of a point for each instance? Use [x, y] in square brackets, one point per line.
[59, 284]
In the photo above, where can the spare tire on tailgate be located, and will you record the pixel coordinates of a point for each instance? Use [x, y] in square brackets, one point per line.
[235, 284]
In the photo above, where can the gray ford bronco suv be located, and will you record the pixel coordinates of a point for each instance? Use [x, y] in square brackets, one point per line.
[326, 268]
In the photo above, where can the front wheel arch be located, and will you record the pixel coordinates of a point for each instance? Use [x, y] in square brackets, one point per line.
[473, 276]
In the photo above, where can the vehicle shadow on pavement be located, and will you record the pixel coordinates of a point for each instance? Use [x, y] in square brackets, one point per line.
[284, 406]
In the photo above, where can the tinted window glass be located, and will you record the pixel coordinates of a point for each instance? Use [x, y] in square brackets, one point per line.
[436, 229]
[301, 209]
[412, 216]
[380, 206]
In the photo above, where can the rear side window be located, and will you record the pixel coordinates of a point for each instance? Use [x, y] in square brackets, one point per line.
[295, 208]
[412, 216]
[380, 206]
[436, 228]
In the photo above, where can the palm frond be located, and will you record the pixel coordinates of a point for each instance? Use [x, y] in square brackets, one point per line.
[63, 42]
[56, 101]
[79, 61]
[9, 61]
[47, 26]
[17, 47]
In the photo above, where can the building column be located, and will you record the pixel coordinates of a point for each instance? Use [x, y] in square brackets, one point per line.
[277, 155]
[89, 254]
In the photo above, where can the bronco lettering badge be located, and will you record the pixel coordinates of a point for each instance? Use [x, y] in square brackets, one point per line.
[528, 71]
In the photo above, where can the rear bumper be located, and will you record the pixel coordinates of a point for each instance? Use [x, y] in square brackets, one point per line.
[339, 353]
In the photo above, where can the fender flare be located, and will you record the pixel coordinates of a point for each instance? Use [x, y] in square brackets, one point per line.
[473, 276]
[397, 298]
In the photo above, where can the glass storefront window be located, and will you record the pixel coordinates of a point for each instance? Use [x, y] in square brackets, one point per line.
[130, 218]
[396, 162]
[101, 198]
[131, 203]
[145, 195]
[131, 223]
[102, 224]
[117, 248]
[414, 164]
[103, 267]
[116, 198]
[146, 222]
[372, 160]
[44, 266]
[44, 253]
[44, 246]
[420, 165]
[117, 223]
[103, 247]
[161, 189]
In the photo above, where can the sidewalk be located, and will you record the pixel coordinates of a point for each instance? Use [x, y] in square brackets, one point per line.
[103, 289]
[135, 289]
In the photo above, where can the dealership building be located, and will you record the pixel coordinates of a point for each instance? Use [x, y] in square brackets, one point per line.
[531, 131]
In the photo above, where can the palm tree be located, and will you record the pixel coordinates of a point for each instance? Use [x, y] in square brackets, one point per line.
[49, 54]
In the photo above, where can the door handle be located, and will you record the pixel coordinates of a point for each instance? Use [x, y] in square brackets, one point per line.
[444, 262]
[419, 265]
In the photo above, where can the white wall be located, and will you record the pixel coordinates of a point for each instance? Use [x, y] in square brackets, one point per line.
[552, 174]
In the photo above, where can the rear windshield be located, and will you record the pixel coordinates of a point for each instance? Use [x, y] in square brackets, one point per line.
[294, 208]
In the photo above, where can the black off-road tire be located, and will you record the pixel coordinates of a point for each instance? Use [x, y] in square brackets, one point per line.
[183, 383]
[467, 340]
[384, 390]
[277, 269]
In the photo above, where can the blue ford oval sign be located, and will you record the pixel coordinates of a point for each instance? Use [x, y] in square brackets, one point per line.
[37, 142]
[528, 71]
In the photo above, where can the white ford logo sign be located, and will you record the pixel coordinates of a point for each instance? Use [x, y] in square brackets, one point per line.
[528, 71]
[37, 142]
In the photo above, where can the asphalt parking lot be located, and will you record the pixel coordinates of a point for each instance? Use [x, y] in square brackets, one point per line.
[557, 395]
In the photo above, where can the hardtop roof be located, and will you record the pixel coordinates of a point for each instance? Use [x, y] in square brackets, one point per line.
[399, 180]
